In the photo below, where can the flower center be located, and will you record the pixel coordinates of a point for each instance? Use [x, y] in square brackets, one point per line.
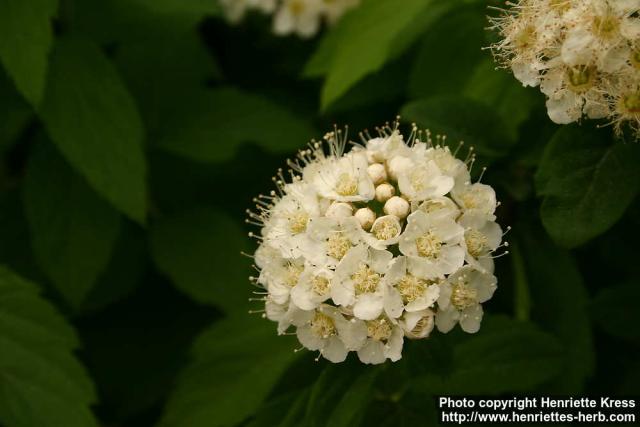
[337, 246]
[320, 285]
[323, 326]
[463, 296]
[431, 206]
[346, 185]
[385, 229]
[298, 222]
[581, 78]
[476, 242]
[365, 280]
[379, 329]
[411, 288]
[525, 37]
[635, 58]
[418, 180]
[560, 6]
[605, 26]
[469, 200]
[293, 274]
[429, 245]
[631, 103]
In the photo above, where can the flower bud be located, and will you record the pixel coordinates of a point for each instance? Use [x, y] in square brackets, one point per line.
[384, 192]
[377, 173]
[397, 206]
[339, 210]
[366, 217]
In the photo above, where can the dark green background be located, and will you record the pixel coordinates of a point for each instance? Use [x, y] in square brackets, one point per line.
[134, 134]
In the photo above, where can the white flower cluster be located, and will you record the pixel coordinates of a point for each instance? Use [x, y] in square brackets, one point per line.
[364, 248]
[300, 17]
[584, 54]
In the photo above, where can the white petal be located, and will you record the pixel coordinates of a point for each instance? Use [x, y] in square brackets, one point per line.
[447, 319]
[334, 350]
[470, 319]
[393, 349]
[368, 306]
[372, 352]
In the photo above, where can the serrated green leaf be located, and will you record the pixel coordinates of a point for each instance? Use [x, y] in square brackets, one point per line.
[615, 310]
[587, 181]
[559, 303]
[505, 356]
[461, 119]
[41, 382]
[235, 365]
[365, 42]
[73, 230]
[200, 251]
[215, 122]
[26, 35]
[92, 119]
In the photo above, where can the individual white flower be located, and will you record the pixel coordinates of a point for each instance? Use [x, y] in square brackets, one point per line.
[476, 197]
[350, 273]
[346, 180]
[441, 205]
[313, 288]
[385, 231]
[448, 164]
[384, 341]
[416, 294]
[423, 180]
[288, 221]
[335, 238]
[417, 324]
[432, 244]
[332, 334]
[460, 298]
[481, 238]
[358, 282]
[301, 17]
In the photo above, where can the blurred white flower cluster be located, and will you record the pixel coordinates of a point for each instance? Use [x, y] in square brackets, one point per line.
[363, 248]
[300, 17]
[584, 54]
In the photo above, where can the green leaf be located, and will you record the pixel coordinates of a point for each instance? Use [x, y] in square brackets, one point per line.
[92, 119]
[500, 91]
[505, 356]
[25, 40]
[461, 119]
[587, 181]
[615, 310]
[164, 72]
[73, 230]
[350, 408]
[41, 382]
[200, 251]
[464, 28]
[235, 365]
[559, 303]
[115, 21]
[365, 41]
[15, 113]
[212, 126]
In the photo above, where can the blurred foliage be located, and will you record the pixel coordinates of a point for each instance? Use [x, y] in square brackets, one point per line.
[134, 134]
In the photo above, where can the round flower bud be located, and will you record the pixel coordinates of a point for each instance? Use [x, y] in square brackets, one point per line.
[384, 192]
[366, 217]
[377, 173]
[339, 210]
[397, 206]
[418, 325]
